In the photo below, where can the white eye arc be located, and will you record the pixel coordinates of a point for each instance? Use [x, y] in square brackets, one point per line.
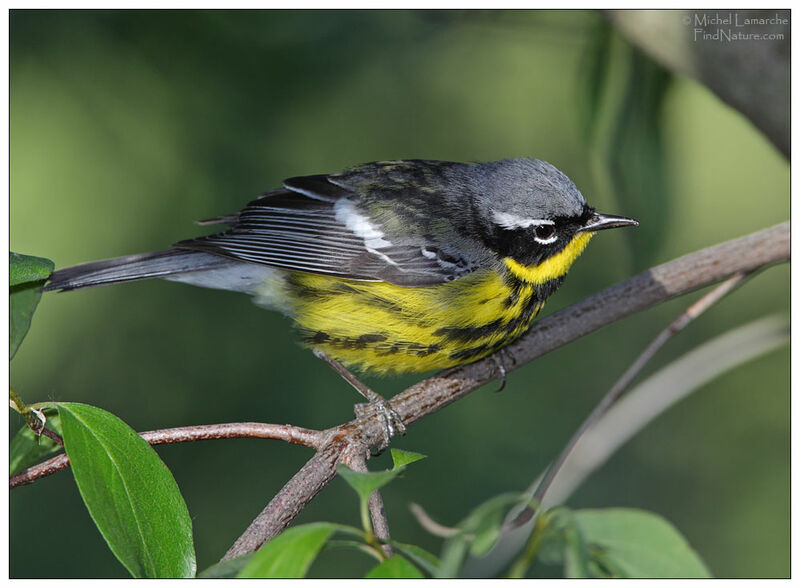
[545, 234]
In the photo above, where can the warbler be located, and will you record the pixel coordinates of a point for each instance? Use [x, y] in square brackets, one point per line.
[391, 266]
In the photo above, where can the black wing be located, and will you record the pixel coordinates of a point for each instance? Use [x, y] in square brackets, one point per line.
[312, 225]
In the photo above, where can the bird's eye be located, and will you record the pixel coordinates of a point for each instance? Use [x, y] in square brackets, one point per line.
[545, 233]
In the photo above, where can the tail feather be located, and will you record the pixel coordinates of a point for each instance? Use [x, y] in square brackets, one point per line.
[133, 267]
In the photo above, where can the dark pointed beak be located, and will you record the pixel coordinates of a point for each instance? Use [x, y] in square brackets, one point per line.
[598, 222]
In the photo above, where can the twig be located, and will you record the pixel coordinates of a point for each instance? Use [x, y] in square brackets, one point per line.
[380, 522]
[629, 416]
[34, 419]
[426, 522]
[297, 492]
[52, 435]
[377, 512]
[662, 390]
[622, 384]
[40, 470]
[288, 433]
[691, 313]
[680, 276]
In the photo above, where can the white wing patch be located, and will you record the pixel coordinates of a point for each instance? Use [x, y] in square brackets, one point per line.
[348, 215]
[328, 235]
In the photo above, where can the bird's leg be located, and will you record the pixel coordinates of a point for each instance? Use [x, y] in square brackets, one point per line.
[499, 359]
[393, 424]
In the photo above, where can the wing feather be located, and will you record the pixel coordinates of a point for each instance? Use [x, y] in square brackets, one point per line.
[312, 225]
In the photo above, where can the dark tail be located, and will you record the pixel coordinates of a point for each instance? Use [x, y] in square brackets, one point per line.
[133, 267]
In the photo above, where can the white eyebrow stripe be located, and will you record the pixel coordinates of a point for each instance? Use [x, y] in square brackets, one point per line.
[510, 221]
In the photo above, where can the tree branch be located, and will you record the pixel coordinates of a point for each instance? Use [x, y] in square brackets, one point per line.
[301, 488]
[288, 433]
[627, 417]
[624, 382]
[641, 292]
[377, 512]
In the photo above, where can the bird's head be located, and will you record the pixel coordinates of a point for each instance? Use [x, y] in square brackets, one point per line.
[534, 218]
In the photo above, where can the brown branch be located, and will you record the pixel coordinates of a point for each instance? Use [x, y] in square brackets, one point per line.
[641, 292]
[53, 436]
[692, 312]
[40, 470]
[380, 522]
[377, 512]
[301, 488]
[288, 433]
[630, 415]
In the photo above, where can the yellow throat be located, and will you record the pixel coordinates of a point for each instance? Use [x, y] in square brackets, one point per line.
[553, 267]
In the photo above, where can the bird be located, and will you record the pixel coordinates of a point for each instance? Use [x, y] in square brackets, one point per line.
[391, 266]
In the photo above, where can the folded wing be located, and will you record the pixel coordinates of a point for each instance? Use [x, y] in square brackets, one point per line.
[312, 225]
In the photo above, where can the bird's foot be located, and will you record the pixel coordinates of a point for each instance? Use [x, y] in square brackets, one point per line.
[392, 423]
[500, 358]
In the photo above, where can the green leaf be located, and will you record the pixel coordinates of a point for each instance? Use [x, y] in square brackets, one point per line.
[424, 559]
[28, 448]
[395, 567]
[365, 483]
[290, 554]
[454, 551]
[129, 492]
[401, 458]
[26, 278]
[637, 544]
[22, 304]
[479, 532]
[27, 268]
[577, 562]
[553, 541]
[229, 568]
[562, 543]
[485, 521]
[351, 544]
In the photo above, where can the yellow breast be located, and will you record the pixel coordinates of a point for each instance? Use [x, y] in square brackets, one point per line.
[386, 328]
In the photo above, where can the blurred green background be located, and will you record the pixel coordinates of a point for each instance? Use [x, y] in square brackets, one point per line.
[127, 126]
